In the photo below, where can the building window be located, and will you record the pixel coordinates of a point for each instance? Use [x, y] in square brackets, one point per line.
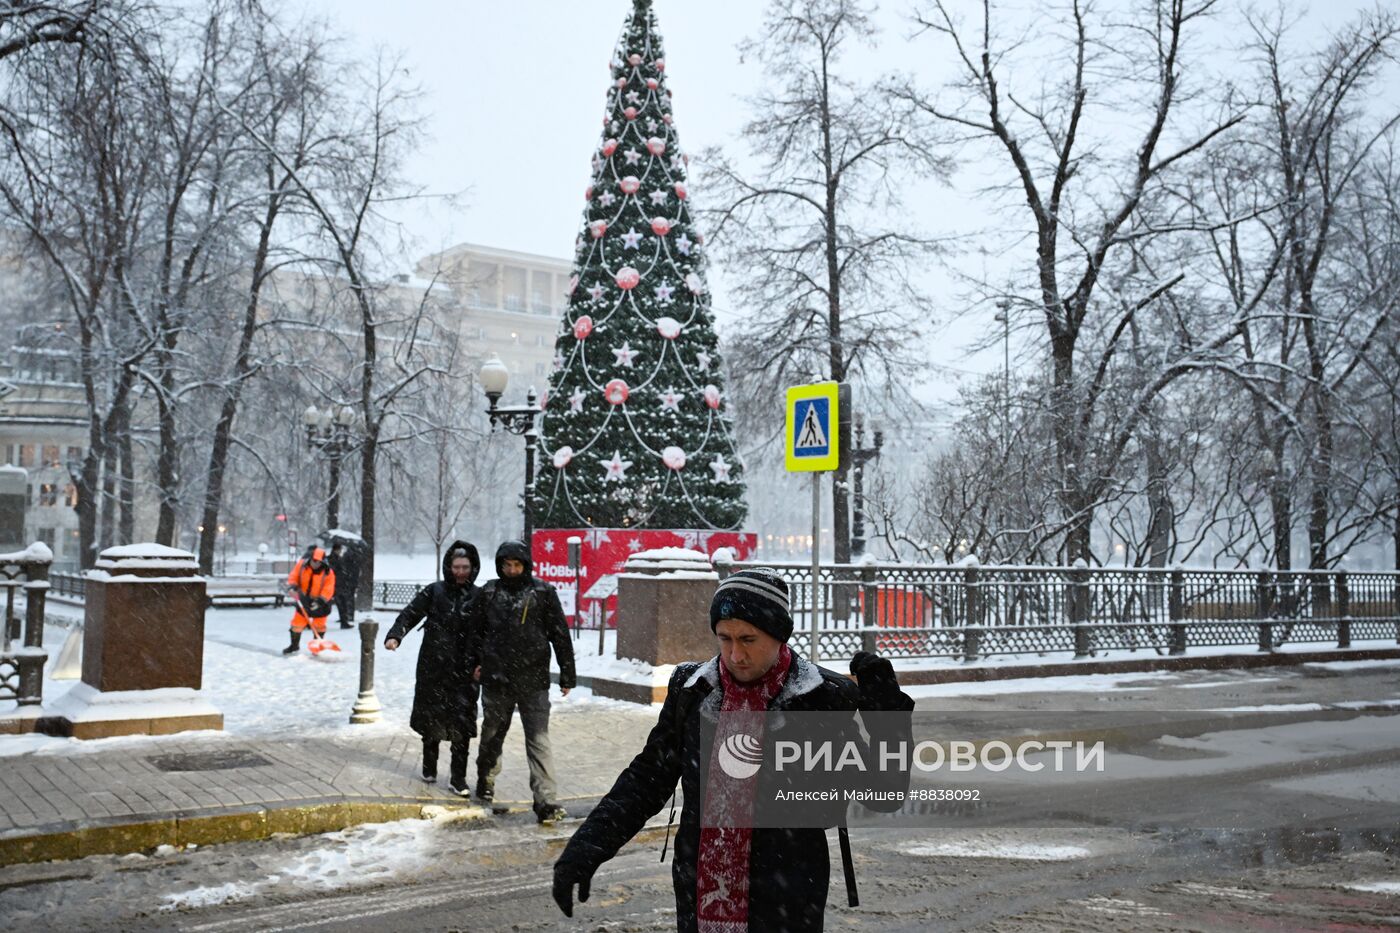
[26, 456]
[75, 455]
[48, 495]
[541, 292]
[513, 279]
[51, 456]
[46, 535]
[70, 495]
[10, 454]
[481, 284]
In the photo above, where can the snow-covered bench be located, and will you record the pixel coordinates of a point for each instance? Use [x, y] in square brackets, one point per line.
[245, 590]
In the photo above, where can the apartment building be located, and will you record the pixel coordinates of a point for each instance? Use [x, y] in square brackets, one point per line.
[508, 303]
[43, 430]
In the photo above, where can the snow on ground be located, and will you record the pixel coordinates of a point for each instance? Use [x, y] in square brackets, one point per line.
[1380, 784]
[1085, 683]
[262, 693]
[1030, 845]
[1028, 852]
[359, 856]
[1376, 887]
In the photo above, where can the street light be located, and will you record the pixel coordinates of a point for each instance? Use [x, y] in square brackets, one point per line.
[860, 455]
[1003, 317]
[332, 432]
[494, 378]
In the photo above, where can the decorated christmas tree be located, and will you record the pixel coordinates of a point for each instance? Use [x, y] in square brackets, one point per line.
[636, 432]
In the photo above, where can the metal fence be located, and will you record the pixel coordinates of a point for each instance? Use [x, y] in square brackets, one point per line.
[969, 612]
[22, 665]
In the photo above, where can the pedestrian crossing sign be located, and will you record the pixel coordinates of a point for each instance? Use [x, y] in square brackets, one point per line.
[813, 426]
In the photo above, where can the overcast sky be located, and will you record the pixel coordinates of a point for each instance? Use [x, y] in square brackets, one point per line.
[514, 93]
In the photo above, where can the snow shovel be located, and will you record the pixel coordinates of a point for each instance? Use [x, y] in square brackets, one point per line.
[318, 643]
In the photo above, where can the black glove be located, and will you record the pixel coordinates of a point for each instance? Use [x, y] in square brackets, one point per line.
[571, 869]
[879, 690]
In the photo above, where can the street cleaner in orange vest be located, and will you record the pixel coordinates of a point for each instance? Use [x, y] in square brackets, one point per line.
[311, 586]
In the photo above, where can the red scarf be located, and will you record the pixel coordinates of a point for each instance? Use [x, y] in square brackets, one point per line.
[726, 831]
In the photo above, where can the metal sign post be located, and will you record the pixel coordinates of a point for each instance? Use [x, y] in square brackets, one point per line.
[814, 424]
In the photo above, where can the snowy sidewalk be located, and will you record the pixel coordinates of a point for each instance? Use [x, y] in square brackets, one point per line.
[125, 795]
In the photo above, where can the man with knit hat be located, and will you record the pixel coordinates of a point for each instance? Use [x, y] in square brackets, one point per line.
[728, 876]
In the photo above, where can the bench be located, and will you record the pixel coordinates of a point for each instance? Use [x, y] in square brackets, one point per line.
[245, 591]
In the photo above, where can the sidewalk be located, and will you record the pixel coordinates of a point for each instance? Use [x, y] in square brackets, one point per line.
[128, 795]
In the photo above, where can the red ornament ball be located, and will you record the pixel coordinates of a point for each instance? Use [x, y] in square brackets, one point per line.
[609, 146]
[588, 193]
[656, 145]
[583, 327]
[652, 84]
[562, 456]
[660, 226]
[621, 83]
[660, 64]
[712, 397]
[630, 185]
[674, 458]
[634, 59]
[627, 278]
[680, 191]
[615, 391]
[630, 113]
[598, 228]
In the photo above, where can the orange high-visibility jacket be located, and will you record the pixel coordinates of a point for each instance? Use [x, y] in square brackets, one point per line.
[311, 583]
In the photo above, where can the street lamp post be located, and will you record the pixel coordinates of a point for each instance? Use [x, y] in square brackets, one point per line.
[860, 456]
[494, 378]
[333, 434]
[1003, 317]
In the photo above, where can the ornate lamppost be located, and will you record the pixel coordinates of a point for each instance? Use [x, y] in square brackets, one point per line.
[335, 434]
[494, 378]
[860, 456]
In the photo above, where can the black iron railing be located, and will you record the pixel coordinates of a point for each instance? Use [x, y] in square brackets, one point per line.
[22, 654]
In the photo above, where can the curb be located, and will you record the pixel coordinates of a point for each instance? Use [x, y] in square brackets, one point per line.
[62, 842]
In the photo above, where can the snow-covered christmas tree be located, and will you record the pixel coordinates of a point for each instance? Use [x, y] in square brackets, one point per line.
[635, 430]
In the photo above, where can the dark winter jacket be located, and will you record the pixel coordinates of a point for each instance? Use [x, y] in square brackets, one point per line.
[444, 695]
[788, 868]
[515, 622]
[347, 572]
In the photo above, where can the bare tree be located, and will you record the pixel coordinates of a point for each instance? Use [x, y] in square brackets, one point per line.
[816, 239]
[1085, 206]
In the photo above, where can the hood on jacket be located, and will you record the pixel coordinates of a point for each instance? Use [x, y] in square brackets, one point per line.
[451, 553]
[514, 550]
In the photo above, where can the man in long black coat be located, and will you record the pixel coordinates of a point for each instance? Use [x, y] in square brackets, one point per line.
[444, 695]
[783, 888]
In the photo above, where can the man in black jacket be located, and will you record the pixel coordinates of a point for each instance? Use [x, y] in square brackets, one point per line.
[444, 693]
[346, 564]
[771, 879]
[515, 622]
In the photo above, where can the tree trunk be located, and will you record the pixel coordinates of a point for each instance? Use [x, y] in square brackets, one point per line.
[167, 457]
[88, 493]
[1159, 529]
[126, 489]
[364, 597]
[108, 527]
[1069, 446]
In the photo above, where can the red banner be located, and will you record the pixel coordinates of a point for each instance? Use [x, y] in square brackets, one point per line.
[605, 551]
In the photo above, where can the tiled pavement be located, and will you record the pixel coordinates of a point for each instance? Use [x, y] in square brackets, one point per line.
[145, 789]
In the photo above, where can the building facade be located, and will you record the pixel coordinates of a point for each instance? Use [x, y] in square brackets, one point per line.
[508, 303]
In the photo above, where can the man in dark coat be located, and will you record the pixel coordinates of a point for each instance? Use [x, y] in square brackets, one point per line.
[772, 880]
[346, 564]
[516, 620]
[444, 694]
